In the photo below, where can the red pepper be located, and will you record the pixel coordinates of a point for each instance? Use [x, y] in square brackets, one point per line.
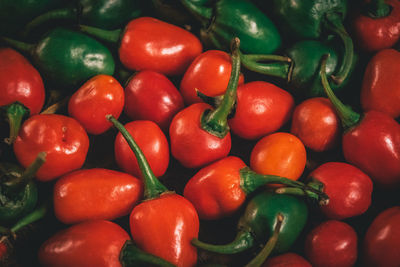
[287, 260]
[150, 95]
[99, 96]
[330, 244]
[378, 27]
[262, 108]
[316, 124]
[76, 195]
[21, 89]
[63, 139]
[382, 241]
[151, 140]
[151, 44]
[381, 83]
[211, 63]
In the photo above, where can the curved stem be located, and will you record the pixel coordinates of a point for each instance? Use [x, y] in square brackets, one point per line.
[348, 117]
[334, 23]
[216, 121]
[21, 46]
[203, 14]
[132, 256]
[32, 217]
[15, 113]
[378, 9]
[243, 241]
[269, 246]
[111, 36]
[153, 188]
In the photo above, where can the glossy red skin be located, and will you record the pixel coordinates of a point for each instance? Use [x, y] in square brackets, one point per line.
[150, 95]
[261, 108]
[331, 244]
[76, 195]
[20, 81]
[209, 73]
[374, 147]
[374, 34]
[316, 124]
[91, 243]
[287, 260]
[192, 146]
[62, 138]
[381, 83]
[149, 43]
[153, 143]
[215, 190]
[98, 97]
[381, 245]
[349, 189]
[165, 226]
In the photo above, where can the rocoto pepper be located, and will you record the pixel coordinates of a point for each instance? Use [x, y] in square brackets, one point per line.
[228, 19]
[67, 58]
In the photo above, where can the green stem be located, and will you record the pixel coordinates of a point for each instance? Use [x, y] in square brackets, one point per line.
[269, 246]
[348, 117]
[215, 121]
[132, 256]
[299, 192]
[153, 188]
[334, 23]
[378, 9]
[21, 46]
[271, 65]
[15, 113]
[203, 14]
[34, 216]
[243, 241]
[111, 36]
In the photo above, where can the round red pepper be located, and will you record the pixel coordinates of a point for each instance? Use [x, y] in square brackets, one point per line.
[63, 139]
[287, 260]
[76, 195]
[150, 95]
[330, 244]
[382, 241]
[99, 96]
[21, 88]
[151, 140]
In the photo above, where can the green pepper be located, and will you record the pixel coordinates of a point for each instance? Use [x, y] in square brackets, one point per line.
[259, 220]
[300, 66]
[68, 58]
[18, 193]
[236, 18]
[103, 14]
[310, 19]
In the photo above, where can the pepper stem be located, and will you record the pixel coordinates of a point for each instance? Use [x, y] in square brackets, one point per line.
[216, 121]
[111, 36]
[153, 188]
[269, 246]
[15, 113]
[32, 217]
[21, 46]
[334, 23]
[203, 14]
[378, 9]
[131, 255]
[271, 65]
[348, 117]
[243, 241]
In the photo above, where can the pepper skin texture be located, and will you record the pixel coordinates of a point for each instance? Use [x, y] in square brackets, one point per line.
[148, 43]
[164, 227]
[287, 260]
[20, 81]
[261, 108]
[377, 33]
[150, 95]
[316, 124]
[381, 245]
[76, 195]
[192, 146]
[330, 244]
[381, 83]
[92, 243]
[211, 63]
[348, 188]
[62, 138]
[151, 140]
[98, 97]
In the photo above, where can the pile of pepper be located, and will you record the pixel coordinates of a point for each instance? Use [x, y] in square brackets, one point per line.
[200, 133]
